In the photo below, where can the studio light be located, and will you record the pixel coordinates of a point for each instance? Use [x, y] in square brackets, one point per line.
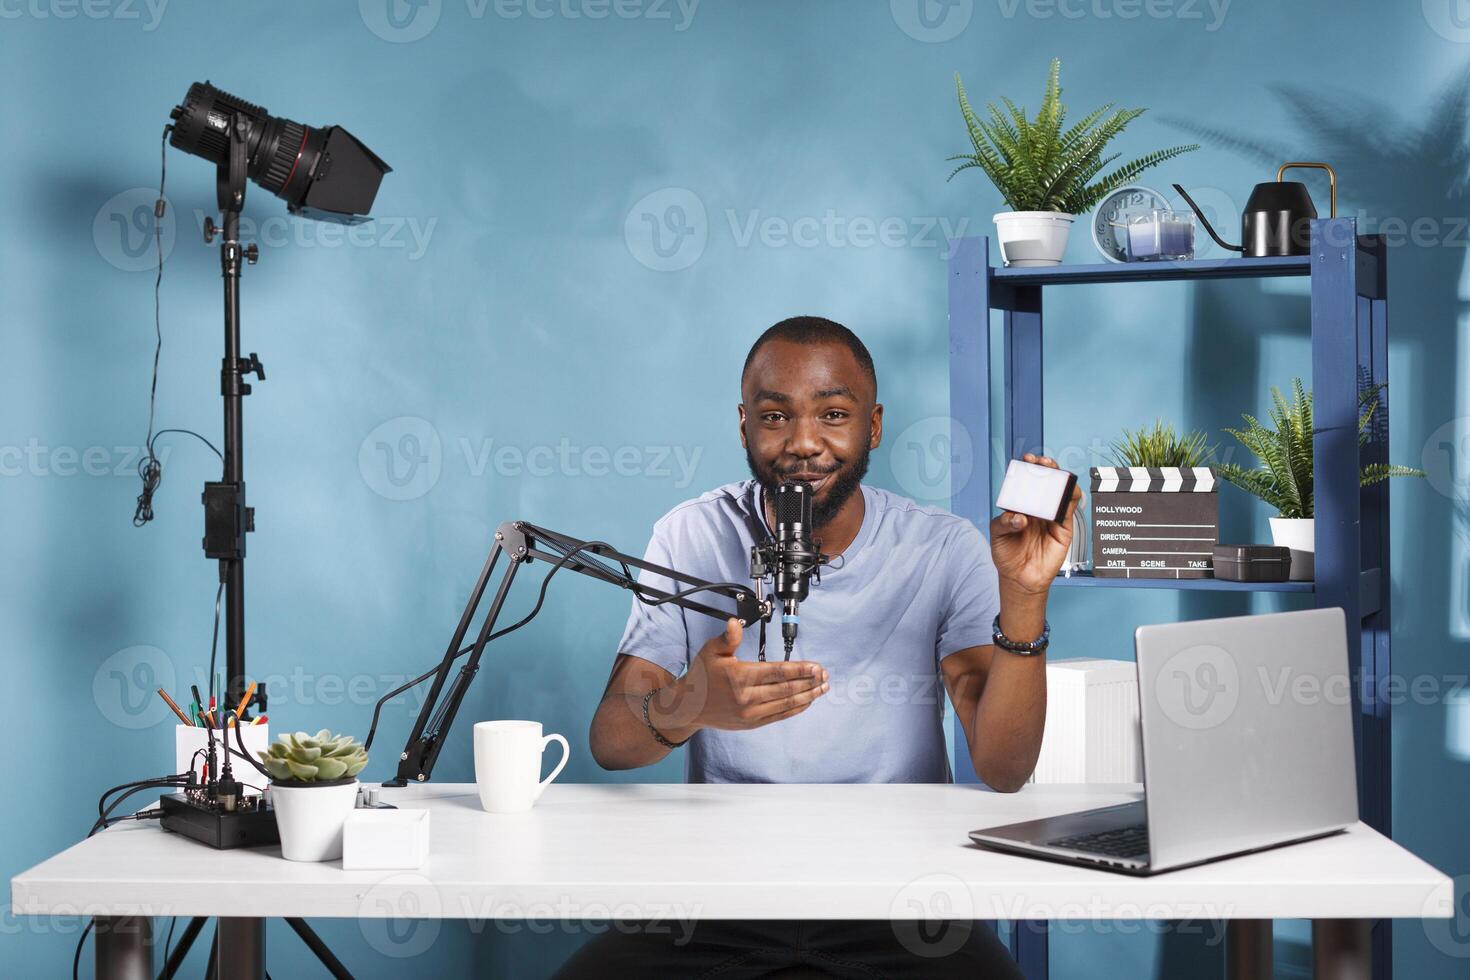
[324, 173]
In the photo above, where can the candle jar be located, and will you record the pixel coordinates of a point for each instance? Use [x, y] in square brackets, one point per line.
[1156, 236]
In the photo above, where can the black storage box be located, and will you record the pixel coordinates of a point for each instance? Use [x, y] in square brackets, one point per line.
[1252, 562]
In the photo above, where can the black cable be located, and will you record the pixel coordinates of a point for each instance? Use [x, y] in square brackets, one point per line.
[214, 643]
[240, 739]
[154, 814]
[76, 958]
[102, 800]
[168, 943]
[146, 784]
[149, 468]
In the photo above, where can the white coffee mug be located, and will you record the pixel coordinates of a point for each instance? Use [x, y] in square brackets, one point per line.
[508, 764]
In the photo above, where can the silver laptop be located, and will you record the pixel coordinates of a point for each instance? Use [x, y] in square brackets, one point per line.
[1247, 744]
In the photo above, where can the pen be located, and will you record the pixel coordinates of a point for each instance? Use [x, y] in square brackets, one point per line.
[249, 693]
[260, 720]
[174, 707]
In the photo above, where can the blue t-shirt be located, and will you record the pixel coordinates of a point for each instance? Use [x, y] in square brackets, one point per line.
[915, 585]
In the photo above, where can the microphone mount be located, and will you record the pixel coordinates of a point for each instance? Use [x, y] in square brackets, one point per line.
[791, 558]
[521, 542]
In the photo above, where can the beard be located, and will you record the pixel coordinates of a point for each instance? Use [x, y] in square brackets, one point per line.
[842, 486]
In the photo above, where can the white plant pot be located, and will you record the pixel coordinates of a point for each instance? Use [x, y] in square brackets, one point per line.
[1032, 238]
[1298, 534]
[310, 818]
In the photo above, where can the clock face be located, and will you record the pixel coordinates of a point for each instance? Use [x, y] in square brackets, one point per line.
[1115, 210]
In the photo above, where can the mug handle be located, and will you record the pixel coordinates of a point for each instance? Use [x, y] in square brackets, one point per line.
[566, 752]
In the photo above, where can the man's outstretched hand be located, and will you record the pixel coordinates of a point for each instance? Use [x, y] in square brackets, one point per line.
[719, 690]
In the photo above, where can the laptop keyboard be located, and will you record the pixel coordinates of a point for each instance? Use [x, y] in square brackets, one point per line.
[1125, 842]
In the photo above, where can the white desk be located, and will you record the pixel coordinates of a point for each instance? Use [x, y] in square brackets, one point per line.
[664, 851]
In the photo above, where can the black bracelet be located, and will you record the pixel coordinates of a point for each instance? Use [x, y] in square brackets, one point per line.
[657, 735]
[1030, 649]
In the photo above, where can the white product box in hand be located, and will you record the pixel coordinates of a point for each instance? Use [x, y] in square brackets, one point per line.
[191, 739]
[385, 840]
[1092, 732]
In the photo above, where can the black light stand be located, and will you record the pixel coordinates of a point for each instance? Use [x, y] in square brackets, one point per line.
[521, 543]
[227, 519]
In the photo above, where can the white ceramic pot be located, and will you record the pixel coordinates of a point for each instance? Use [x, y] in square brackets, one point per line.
[310, 817]
[1032, 238]
[1298, 534]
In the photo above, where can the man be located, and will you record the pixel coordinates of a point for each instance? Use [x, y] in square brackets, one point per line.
[910, 600]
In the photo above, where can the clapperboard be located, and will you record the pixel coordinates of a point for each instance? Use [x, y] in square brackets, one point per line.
[1154, 522]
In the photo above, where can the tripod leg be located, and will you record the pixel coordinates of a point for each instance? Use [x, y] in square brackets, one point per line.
[176, 958]
[315, 944]
[209, 973]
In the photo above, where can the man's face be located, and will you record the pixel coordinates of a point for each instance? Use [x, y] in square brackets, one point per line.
[809, 412]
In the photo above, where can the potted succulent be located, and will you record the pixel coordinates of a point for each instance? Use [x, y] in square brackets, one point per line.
[1048, 175]
[1156, 514]
[1285, 479]
[313, 789]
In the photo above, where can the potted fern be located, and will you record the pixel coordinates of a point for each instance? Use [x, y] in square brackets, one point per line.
[313, 790]
[1156, 513]
[1285, 479]
[1046, 174]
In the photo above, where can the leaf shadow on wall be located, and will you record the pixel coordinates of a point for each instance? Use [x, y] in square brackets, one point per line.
[1395, 174]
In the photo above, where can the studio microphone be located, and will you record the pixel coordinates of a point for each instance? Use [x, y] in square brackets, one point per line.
[796, 554]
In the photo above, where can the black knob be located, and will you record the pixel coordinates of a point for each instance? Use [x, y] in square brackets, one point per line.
[252, 253]
[209, 230]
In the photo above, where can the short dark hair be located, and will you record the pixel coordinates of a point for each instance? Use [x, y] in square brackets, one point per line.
[815, 330]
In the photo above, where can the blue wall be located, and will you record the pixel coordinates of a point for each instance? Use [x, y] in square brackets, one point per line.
[589, 220]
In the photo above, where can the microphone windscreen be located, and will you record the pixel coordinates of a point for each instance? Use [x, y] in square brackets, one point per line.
[794, 504]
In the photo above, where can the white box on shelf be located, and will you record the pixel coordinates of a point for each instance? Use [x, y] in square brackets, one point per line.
[385, 840]
[1092, 732]
[191, 739]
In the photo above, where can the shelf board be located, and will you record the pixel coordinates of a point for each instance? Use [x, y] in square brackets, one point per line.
[1239, 268]
[1088, 580]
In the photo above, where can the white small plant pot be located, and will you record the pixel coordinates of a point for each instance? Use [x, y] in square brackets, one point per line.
[1298, 534]
[1032, 238]
[310, 817]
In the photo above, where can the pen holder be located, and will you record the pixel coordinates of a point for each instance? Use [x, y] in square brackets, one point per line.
[189, 739]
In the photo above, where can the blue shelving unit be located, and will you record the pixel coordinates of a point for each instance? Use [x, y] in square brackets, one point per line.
[1349, 304]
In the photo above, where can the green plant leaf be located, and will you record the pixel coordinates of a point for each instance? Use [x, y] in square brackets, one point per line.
[1161, 446]
[1035, 164]
[330, 768]
[301, 770]
[1286, 480]
[1377, 472]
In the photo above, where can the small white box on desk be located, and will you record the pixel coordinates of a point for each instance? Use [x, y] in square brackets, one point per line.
[1092, 733]
[192, 739]
[385, 840]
